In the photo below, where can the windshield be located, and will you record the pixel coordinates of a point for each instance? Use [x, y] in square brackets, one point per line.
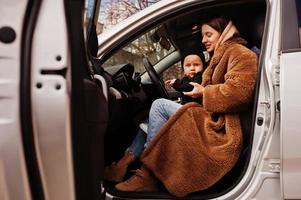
[150, 44]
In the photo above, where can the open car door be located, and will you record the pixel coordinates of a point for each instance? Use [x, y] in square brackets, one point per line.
[63, 108]
[89, 106]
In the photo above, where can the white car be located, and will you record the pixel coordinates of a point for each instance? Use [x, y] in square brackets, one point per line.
[71, 100]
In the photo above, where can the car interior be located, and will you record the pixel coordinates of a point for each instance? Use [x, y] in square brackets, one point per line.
[128, 96]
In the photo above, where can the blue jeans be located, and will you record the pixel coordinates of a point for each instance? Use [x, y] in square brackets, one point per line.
[159, 113]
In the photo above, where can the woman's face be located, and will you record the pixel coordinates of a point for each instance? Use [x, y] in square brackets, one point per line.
[210, 37]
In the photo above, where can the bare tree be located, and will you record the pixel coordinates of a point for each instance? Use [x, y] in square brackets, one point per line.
[118, 10]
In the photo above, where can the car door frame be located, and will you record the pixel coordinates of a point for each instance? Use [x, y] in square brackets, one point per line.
[290, 98]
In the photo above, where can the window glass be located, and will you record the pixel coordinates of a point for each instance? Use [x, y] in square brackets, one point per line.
[147, 45]
[89, 8]
[114, 11]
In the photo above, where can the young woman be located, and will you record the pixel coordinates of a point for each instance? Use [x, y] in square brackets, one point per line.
[193, 146]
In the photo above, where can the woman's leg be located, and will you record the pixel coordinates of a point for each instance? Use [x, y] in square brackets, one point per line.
[160, 112]
[137, 145]
[117, 170]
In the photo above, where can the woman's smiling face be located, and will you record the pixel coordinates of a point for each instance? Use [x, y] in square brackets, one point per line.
[210, 37]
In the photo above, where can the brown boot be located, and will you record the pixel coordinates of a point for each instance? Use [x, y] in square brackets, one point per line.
[116, 171]
[141, 181]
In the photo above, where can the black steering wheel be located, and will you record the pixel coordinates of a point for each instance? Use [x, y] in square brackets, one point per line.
[155, 78]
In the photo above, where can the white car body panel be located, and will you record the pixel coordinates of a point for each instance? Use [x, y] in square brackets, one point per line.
[13, 176]
[51, 102]
[290, 117]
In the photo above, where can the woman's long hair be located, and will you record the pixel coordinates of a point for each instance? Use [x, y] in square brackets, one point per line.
[218, 23]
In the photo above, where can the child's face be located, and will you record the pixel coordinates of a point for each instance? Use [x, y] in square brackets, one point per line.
[192, 65]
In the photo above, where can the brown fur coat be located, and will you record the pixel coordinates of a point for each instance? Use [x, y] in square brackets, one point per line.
[200, 144]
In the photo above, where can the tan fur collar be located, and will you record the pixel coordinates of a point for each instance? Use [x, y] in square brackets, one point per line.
[228, 32]
[218, 53]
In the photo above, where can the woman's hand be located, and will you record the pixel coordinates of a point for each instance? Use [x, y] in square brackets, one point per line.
[196, 92]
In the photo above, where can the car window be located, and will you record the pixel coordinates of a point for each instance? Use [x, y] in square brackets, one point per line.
[149, 45]
[89, 8]
[114, 11]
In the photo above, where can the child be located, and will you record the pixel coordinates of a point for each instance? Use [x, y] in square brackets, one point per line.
[193, 66]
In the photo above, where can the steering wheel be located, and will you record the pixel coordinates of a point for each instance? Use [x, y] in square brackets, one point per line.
[155, 78]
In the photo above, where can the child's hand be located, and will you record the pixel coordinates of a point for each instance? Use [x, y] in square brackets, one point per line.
[170, 83]
[196, 92]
